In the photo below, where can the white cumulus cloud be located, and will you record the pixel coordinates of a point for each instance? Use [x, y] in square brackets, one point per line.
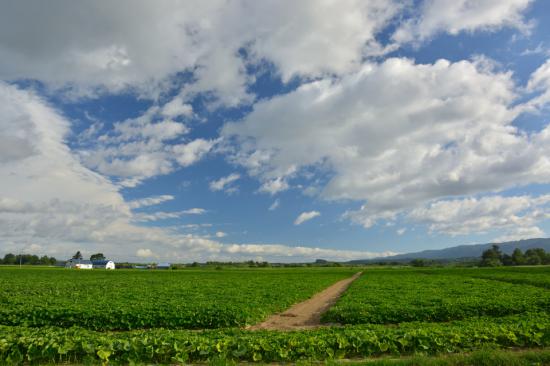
[224, 183]
[472, 215]
[396, 135]
[142, 147]
[187, 154]
[176, 108]
[100, 48]
[145, 253]
[48, 199]
[194, 211]
[306, 216]
[455, 16]
[150, 201]
[521, 233]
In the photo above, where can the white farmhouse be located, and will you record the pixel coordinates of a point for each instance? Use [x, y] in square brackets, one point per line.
[79, 264]
[104, 264]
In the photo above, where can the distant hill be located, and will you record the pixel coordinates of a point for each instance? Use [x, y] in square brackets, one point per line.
[464, 251]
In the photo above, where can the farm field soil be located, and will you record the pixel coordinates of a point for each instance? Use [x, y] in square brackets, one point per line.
[307, 314]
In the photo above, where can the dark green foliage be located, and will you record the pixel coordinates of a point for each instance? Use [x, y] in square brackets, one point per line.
[536, 257]
[22, 344]
[27, 259]
[517, 257]
[9, 259]
[422, 263]
[493, 257]
[97, 257]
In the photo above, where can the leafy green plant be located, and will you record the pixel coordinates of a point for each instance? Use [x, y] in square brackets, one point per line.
[51, 344]
[133, 317]
[395, 296]
[130, 299]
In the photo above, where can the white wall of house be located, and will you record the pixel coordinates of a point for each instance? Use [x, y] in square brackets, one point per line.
[108, 265]
[75, 263]
[81, 264]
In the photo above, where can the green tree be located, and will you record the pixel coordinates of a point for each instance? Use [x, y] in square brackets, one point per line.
[492, 257]
[9, 259]
[535, 256]
[77, 255]
[97, 257]
[507, 260]
[517, 257]
[533, 260]
[27, 259]
[421, 262]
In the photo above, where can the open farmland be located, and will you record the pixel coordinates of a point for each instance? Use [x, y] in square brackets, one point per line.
[385, 312]
[124, 300]
[534, 276]
[389, 296]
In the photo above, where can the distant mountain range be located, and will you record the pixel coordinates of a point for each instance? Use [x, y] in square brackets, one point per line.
[464, 251]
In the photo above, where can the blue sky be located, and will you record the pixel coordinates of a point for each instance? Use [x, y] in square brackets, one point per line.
[272, 130]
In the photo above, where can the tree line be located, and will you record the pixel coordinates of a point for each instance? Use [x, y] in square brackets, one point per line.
[494, 257]
[33, 259]
[93, 257]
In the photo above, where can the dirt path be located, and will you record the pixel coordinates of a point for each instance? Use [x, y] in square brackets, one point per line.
[307, 314]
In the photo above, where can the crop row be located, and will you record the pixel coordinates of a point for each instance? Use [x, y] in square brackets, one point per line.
[383, 297]
[47, 345]
[125, 300]
[537, 276]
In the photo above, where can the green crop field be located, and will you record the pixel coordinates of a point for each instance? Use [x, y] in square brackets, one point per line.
[152, 317]
[386, 296]
[534, 276]
[131, 299]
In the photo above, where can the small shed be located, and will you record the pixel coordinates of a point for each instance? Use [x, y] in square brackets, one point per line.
[163, 266]
[103, 264]
[79, 264]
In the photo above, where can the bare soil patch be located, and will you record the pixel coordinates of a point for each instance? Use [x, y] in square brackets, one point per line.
[307, 314]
